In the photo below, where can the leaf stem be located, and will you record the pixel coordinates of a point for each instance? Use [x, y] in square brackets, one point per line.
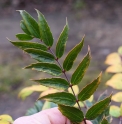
[63, 71]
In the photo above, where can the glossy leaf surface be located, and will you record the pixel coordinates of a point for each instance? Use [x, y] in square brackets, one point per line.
[72, 55]
[52, 69]
[61, 43]
[63, 98]
[24, 28]
[40, 55]
[81, 69]
[72, 113]
[30, 23]
[57, 83]
[26, 45]
[87, 91]
[46, 35]
[23, 37]
[97, 108]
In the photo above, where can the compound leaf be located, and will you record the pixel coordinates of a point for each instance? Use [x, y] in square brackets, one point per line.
[30, 23]
[98, 108]
[81, 69]
[72, 55]
[57, 83]
[63, 98]
[24, 37]
[24, 28]
[115, 111]
[61, 43]
[72, 113]
[52, 69]
[25, 45]
[87, 91]
[40, 55]
[46, 35]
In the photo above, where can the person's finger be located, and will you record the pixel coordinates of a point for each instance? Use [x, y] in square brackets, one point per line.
[49, 116]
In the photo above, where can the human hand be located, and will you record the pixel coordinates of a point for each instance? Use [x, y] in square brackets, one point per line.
[49, 116]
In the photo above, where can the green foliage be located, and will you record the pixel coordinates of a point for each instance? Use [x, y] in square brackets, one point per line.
[68, 103]
[24, 37]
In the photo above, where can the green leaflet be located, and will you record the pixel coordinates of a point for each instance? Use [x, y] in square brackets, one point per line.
[104, 121]
[87, 91]
[30, 23]
[52, 69]
[81, 69]
[24, 28]
[63, 98]
[72, 113]
[72, 55]
[23, 37]
[57, 83]
[98, 108]
[61, 43]
[26, 45]
[40, 55]
[46, 35]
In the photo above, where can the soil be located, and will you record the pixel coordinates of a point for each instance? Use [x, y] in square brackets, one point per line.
[103, 32]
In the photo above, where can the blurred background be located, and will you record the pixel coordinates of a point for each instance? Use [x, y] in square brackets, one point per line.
[99, 20]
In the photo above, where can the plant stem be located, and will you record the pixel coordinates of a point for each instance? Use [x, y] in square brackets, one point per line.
[68, 81]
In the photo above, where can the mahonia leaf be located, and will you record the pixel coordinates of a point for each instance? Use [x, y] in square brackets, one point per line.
[72, 113]
[72, 55]
[30, 23]
[40, 55]
[117, 97]
[81, 69]
[63, 98]
[57, 83]
[104, 121]
[115, 111]
[46, 35]
[26, 45]
[23, 37]
[98, 108]
[52, 69]
[61, 43]
[24, 28]
[87, 91]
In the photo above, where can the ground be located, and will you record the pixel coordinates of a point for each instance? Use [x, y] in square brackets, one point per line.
[102, 33]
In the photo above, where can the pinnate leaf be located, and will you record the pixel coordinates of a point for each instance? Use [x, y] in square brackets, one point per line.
[24, 37]
[26, 45]
[72, 55]
[46, 35]
[117, 97]
[81, 69]
[40, 55]
[63, 98]
[87, 91]
[98, 108]
[72, 113]
[30, 23]
[57, 83]
[24, 28]
[52, 69]
[61, 43]
[115, 111]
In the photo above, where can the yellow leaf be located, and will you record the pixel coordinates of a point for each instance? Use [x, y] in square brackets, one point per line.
[115, 111]
[115, 83]
[91, 98]
[114, 69]
[75, 88]
[117, 97]
[113, 59]
[49, 91]
[121, 109]
[5, 119]
[120, 50]
[117, 76]
[29, 90]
